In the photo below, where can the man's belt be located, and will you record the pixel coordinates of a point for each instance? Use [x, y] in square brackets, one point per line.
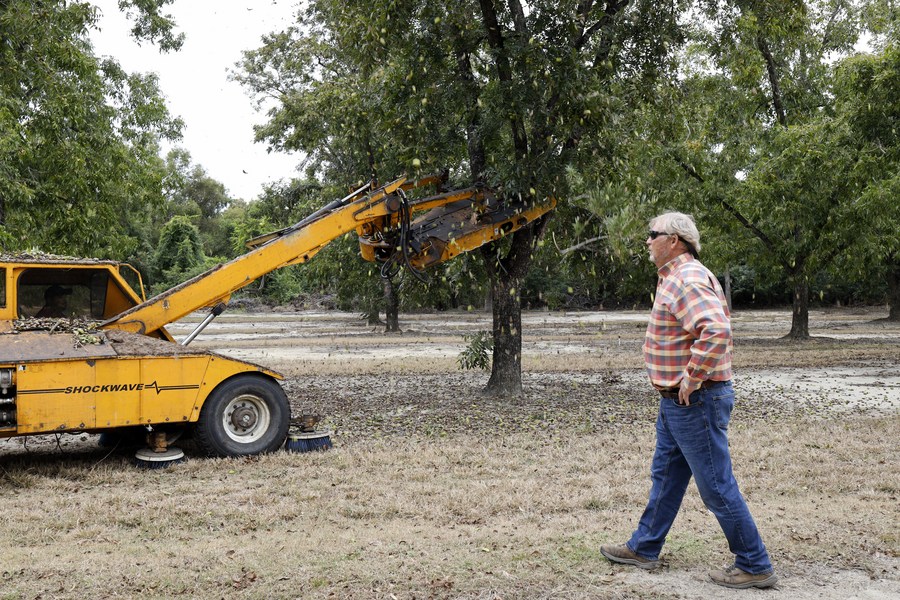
[672, 393]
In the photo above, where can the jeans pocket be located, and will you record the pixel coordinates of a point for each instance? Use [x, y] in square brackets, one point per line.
[723, 405]
[695, 402]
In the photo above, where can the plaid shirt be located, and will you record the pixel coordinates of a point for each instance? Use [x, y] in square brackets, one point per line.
[689, 333]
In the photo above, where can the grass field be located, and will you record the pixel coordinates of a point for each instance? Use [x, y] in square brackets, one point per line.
[432, 491]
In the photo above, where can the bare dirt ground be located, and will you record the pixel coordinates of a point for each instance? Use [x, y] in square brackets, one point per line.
[433, 491]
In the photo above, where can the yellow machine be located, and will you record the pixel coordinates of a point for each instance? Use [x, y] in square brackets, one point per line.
[130, 372]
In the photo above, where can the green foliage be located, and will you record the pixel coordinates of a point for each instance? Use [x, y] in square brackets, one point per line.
[752, 288]
[179, 255]
[594, 253]
[476, 354]
[190, 191]
[78, 136]
[284, 204]
[284, 285]
[179, 245]
[359, 91]
[752, 140]
[338, 270]
[172, 277]
[151, 24]
[225, 225]
[760, 119]
[867, 101]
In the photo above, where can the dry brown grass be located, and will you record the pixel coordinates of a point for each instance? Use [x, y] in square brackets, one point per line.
[517, 516]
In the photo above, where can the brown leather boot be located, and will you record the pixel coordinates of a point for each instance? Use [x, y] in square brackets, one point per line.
[733, 577]
[624, 555]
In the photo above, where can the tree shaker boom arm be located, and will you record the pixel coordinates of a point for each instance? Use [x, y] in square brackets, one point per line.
[457, 222]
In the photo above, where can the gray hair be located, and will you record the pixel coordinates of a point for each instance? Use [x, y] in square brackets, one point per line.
[681, 225]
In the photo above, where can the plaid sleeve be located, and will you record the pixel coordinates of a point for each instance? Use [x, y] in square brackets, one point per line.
[701, 312]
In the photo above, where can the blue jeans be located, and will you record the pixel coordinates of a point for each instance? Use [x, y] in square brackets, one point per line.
[693, 440]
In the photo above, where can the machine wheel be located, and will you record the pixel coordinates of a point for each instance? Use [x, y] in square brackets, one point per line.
[246, 415]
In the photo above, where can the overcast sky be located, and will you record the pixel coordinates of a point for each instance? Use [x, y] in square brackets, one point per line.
[218, 114]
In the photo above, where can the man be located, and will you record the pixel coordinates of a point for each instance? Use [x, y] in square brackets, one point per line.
[687, 350]
[55, 302]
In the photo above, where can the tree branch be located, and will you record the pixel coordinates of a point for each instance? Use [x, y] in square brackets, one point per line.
[504, 72]
[588, 33]
[777, 102]
[835, 251]
[581, 13]
[692, 172]
[523, 245]
[817, 234]
[474, 141]
[580, 245]
[826, 37]
[518, 15]
[606, 23]
[604, 47]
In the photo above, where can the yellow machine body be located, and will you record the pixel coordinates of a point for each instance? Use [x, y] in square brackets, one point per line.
[52, 383]
[106, 392]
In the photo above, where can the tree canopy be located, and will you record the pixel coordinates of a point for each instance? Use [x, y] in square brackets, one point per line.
[79, 137]
[492, 92]
[756, 136]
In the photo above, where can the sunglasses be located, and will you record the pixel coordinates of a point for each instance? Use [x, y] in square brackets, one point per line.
[656, 234]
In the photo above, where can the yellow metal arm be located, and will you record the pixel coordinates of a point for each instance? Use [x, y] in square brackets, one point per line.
[456, 222]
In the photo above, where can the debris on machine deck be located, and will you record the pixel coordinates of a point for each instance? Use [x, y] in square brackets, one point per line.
[36, 256]
[84, 331]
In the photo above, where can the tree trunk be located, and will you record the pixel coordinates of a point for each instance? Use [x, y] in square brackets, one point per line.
[392, 306]
[506, 367]
[800, 310]
[728, 288]
[506, 275]
[894, 291]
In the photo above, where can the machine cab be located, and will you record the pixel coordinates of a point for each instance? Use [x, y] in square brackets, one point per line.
[63, 288]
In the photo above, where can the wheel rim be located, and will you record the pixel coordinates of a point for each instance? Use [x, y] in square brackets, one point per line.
[246, 418]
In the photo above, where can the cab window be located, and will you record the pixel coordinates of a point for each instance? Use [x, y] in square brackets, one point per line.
[2, 287]
[62, 293]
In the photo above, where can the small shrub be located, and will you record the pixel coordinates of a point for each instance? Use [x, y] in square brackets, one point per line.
[477, 353]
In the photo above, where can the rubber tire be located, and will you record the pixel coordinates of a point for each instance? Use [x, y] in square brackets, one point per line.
[266, 399]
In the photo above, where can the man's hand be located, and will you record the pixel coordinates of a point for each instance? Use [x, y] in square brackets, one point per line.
[684, 392]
